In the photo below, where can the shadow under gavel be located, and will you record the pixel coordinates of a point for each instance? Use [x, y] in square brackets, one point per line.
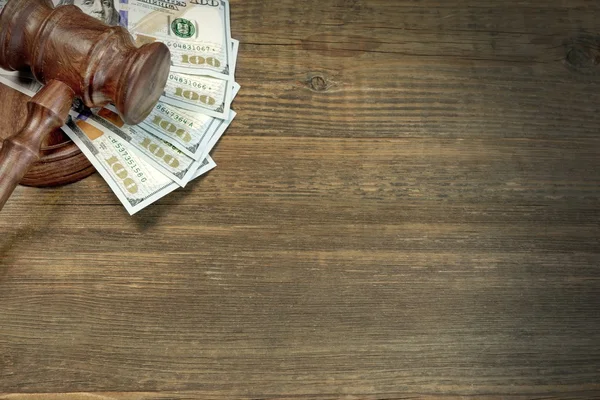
[74, 55]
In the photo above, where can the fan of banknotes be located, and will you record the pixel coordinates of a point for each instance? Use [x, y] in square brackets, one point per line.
[172, 147]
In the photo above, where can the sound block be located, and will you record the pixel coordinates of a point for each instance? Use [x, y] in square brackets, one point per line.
[61, 162]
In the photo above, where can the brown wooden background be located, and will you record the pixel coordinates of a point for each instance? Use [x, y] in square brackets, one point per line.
[407, 206]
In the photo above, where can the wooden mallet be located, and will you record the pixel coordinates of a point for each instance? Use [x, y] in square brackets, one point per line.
[74, 55]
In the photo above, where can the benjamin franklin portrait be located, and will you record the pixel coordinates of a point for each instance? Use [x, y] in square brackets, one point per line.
[104, 10]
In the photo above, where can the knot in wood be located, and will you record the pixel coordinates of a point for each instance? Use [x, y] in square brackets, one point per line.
[583, 53]
[317, 83]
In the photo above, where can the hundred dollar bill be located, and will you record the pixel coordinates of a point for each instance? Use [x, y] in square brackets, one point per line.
[201, 94]
[135, 182]
[160, 154]
[197, 32]
[188, 131]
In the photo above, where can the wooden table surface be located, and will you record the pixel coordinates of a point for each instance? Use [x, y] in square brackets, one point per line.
[407, 206]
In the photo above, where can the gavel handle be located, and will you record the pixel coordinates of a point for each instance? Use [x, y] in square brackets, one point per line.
[47, 111]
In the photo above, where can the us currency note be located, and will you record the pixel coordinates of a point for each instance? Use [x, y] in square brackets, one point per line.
[188, 131]
[197, 32]
[161, 154]
[200, 94]
[133, 180]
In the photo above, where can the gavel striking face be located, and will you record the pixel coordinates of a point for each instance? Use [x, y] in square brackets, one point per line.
[74, 55]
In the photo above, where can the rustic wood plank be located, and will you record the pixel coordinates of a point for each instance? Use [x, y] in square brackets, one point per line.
[257, 269]
[406, 207]
[424, 69]
[217, 395]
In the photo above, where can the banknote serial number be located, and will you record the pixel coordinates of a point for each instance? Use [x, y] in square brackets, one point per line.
[193, 47]
[128, 160]
[174, 116]
[184, 81]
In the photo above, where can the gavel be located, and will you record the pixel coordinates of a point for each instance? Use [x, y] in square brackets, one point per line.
[75, 56]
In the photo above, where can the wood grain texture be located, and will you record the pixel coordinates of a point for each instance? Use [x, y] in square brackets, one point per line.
[407, 206]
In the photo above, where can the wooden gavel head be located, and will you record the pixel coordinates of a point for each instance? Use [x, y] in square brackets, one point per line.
[101, 64]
